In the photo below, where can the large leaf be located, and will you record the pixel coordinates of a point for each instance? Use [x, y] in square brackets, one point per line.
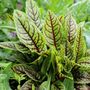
[27, 32]
[79, 46]
[52, 31]
[33, 12]
[71, 28]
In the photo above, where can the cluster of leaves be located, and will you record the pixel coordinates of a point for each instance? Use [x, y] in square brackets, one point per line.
[48, 51]
[78, 8]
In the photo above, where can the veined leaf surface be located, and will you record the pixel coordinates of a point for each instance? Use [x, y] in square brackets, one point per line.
[68, 50]
[79, 46]
[71, 28]
[51, 30]
[8, 45]
[27, 85]
[29, 71]
[32, 12]
[28, 33]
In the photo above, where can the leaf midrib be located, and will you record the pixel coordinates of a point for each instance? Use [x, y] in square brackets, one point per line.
[29, 36]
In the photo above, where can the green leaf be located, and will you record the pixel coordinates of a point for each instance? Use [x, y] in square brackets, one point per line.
[82, 72]
[19, 68]
[45, 85]
[85, 63]
[22, 48]
[88, 52]
[27, 85]
[8, 45]
[32, 11]
[68, 50]
[4, 85]
[46, 64]
[28, 33]
[79, 46]
[71, 28]
[53, 87]
[29, 71]
[69, 84]
[17, 46]
[59, 85]
[52, 31]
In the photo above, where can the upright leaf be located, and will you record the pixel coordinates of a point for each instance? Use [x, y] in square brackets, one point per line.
[79, 46]
[8, 45]
[51, 30]
[32, 11]
[71, 28]
[68, 50]
[28, 33]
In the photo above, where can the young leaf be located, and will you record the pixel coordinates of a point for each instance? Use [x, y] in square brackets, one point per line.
[71, 28]
[32, 11]
[28, 33]
[51, 30]
[79, 46]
